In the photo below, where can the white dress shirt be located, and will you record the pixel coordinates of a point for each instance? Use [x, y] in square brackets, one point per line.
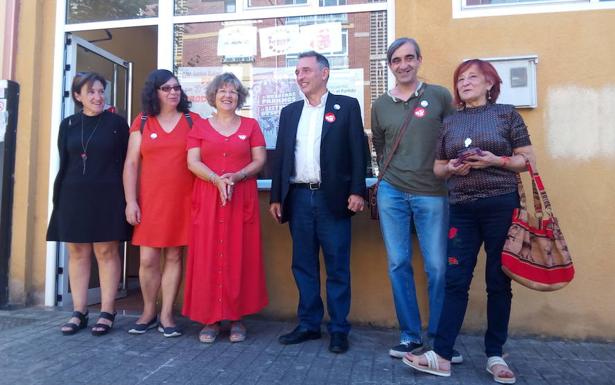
[307, 147]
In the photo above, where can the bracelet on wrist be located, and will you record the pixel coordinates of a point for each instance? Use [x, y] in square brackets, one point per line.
[505, 161]
[243, 175]
[212, 177]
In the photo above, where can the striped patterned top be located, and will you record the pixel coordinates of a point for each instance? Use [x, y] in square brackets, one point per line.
[497, 128]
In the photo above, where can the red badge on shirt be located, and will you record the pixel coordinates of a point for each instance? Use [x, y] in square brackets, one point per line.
[419, 112]
[330, 117]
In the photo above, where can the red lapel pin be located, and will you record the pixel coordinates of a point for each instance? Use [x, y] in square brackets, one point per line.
[330, 117]
[419, 112]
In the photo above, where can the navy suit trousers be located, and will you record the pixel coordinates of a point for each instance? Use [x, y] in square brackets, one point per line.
[313, 226]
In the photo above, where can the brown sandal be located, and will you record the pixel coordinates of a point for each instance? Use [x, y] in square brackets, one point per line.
[209, 333]
[238, 332]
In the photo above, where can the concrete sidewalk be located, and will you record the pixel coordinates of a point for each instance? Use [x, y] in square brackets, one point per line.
[33, 351]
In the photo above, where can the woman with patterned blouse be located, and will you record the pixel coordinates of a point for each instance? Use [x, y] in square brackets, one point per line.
[481, 149]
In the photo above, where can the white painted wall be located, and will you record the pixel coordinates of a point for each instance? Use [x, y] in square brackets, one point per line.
[580, 122]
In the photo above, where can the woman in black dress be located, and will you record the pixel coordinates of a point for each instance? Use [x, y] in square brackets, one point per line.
[88, 199]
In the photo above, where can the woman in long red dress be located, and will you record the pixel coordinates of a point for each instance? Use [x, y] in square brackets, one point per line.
[160, 207]
[225, 279]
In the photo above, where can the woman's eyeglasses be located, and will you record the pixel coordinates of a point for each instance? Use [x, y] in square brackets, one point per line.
[167, 89]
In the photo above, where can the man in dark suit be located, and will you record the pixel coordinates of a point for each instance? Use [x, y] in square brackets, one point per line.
[318, 183]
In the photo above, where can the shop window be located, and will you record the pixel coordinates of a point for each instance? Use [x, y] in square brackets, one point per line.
[331, 3]
[337, 59]
[334, 3]
[263, 54]
[478, 8]
[82, 11]
[209, 7]
[469, 3]
[273, 3]
[204, 7]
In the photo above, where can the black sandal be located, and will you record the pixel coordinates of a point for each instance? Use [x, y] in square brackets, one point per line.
[105, 328]
[74, 328]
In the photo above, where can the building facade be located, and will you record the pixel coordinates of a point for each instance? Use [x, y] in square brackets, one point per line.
[566, 51]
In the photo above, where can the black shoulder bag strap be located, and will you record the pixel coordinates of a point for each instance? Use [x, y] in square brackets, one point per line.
[144, 119]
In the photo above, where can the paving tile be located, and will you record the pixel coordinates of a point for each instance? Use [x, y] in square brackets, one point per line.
[33, 351]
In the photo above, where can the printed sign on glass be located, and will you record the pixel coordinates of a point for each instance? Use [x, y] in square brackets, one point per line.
[281, 40]
[237, 41]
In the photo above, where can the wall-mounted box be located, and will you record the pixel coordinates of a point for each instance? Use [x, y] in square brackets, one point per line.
[518, 75]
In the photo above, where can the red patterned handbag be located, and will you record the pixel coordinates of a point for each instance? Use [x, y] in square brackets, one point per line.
[535, 253]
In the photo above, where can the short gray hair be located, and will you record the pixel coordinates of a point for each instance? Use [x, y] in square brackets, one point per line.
[398, 43]
[323, 62]
[221, 80]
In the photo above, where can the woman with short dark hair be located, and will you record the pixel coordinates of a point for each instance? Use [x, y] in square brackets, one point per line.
[88, 199]
[482, 148]
[159, 207]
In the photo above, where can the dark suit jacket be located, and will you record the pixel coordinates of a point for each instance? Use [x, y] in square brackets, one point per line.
[342, 154]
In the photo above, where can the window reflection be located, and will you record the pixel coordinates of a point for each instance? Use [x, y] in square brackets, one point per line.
[204, 7]
[207, 7]
[489, 2]
[273, 3]
[263, 53]
[81, 11]
[331, 3]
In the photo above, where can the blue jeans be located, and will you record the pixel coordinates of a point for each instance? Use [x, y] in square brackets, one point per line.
[313, 226]
[398, 211]
[482, 221]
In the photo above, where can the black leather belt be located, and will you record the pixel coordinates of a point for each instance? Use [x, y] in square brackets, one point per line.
[310, 186]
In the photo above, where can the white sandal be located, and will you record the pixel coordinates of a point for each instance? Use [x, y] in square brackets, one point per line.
[433, 366]
[497, 360]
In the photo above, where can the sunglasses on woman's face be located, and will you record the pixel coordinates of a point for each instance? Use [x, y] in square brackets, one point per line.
[176, 88]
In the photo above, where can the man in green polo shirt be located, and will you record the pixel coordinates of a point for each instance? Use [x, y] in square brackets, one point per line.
[410, 195]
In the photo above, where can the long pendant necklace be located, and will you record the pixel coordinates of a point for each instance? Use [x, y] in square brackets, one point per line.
[84, 147]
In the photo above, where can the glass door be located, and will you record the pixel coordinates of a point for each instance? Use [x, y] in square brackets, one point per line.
[82, 56]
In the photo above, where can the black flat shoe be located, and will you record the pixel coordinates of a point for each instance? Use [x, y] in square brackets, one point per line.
[169, 331]
[74, 328]
[338, 343]
[142, 328]
[105, 328]
[298, 336]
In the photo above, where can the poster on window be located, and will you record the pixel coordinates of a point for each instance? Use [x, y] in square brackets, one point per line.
[194, 82]
[348, 82]
[272, 89]
[323, 38]
[237, 41]
[280, 40]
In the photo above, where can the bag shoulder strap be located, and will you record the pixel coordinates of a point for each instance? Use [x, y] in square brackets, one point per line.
[188, 119]
[402, 130]
[539, 193]
[144, 119]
